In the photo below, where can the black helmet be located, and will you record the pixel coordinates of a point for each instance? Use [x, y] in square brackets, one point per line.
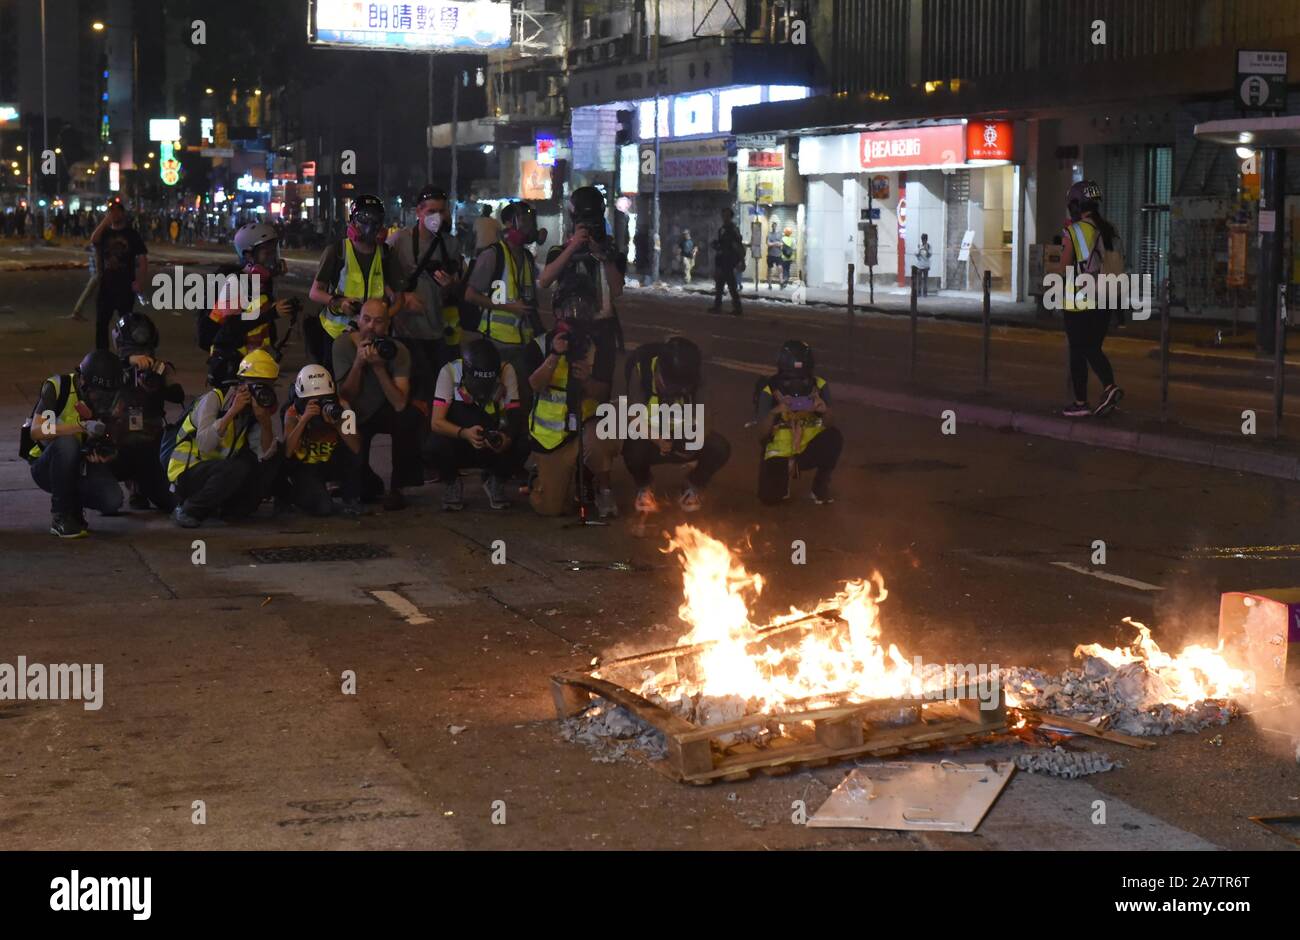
[587, 202]
[679, 365]
[794, 366]
[482, 368]
[1081, 196]
[134, 333]
[223, 366]
[367, 207]
[99, 377]
[514, 213]
[431, 192]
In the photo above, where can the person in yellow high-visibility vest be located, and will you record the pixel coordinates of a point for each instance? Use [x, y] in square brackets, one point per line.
[504, 284]
[793, 414]
[352, 271]
[243, 323]
[1088, 236]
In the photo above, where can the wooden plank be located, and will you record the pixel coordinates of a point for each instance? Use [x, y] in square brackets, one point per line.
[647, 711]
[569, 699]
[1082, 727]
[836, 733]
[692, 758]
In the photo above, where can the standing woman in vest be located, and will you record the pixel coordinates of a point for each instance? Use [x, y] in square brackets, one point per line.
[357, 269]
[1085, 239]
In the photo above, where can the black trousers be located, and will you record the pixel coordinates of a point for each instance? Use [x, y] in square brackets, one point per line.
[139, 464]
[306, 485]
[821, 455]
[232, 487]
[451, 455]
[72, 482]
[641, 456]
[724, 275]
[1086, 331]
[112, 300]
[404, 428]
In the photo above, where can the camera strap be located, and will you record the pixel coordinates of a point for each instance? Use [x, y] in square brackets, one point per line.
[428, 253]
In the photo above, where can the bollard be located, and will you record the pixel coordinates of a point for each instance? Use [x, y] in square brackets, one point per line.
[913, 366]
[1165, 290]
[988, 287]
[1279, 361]
[850, 306]
[853, 358]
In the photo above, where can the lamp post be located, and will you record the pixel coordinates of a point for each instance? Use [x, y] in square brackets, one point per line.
[100, 26]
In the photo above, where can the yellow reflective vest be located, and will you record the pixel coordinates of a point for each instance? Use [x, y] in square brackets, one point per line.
[792, 433]
[1083, 240]
[354, 285]
[548, 423]
[187, 452]
[503, 326]
[69, 413]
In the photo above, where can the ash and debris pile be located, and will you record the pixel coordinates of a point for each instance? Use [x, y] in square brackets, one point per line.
[1058, 762]
[1131, 698]
[614, 733]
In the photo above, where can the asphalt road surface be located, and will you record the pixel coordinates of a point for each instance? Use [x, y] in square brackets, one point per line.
[223, 680]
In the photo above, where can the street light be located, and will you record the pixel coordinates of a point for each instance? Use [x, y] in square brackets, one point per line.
[97, 26]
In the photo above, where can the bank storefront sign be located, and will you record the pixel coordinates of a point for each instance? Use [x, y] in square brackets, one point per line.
[912, 148]
[687, 166]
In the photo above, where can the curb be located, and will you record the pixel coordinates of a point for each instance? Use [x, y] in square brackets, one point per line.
[1164, 446]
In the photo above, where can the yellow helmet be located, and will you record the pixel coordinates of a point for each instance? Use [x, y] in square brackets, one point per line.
[259, 364]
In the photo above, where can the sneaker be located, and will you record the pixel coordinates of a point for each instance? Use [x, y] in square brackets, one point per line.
[823, 498]
[690, 499]
[352, 507]
[453, 496]
[67, 527]
[496, 492]
[645, 500]
[1077, 410]
[184, 519]
[394, 501]
[139, 502]
[1110, 400]
[606, 505]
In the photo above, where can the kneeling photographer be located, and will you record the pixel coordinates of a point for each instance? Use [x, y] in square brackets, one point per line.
[374, 377]
[314, 429]
[477, 422]
[566, 384]
[67, 443]
[139, 414]
[225, 456]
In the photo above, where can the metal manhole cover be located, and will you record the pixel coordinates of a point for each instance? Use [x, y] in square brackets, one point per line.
[906, 466]
[340, 551]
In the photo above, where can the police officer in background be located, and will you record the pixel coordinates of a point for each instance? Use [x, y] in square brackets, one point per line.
[67, 444]
[139, 413]
[352, 271]
[794, 419]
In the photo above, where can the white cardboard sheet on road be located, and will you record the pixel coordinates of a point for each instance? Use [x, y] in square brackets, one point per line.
[947, 796]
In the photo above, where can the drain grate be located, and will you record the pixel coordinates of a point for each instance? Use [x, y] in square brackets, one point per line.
[908, 466]
[339, 551]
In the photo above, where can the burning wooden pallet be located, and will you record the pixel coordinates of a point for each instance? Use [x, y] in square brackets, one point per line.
[808, 737]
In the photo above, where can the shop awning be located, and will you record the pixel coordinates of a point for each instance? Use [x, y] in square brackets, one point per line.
[1253, 132]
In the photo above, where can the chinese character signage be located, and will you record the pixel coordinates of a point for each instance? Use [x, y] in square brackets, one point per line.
[415, 27]
[1261, 81]
[913, 147]
[988, 140]
[696, 165]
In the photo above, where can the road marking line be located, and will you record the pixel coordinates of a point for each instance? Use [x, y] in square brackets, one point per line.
[401, 606]
[1114, 578]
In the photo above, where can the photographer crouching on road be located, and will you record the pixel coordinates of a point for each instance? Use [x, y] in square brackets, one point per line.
[793, 412]
[67, 443]
[477, 422]
[567, 389]
[374, 374]
[226, 454]
[139, 415]
[320, 446]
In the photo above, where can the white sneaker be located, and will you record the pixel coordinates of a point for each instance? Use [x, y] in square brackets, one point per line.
[690, 501]
[606, 505]
[645, 500]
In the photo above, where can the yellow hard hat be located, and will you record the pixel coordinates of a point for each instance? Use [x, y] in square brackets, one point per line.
[259, 364]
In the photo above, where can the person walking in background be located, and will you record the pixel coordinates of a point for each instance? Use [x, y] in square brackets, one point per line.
[1086, 239]
[787, 254]
[728, 253]
[773, 251]
[689, 250]
[923, 253]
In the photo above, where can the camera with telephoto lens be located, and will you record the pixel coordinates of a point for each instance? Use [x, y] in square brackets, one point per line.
[98, 442]
[386, 347]
[146, 380]
[331, 410]
[494, 439]
[264, 395]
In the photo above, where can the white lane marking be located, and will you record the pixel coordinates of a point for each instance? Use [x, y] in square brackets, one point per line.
[401, 606]
[1113, 578]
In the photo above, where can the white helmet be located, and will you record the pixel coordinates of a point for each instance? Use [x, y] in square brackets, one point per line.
[252, 234]
[313, 382]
